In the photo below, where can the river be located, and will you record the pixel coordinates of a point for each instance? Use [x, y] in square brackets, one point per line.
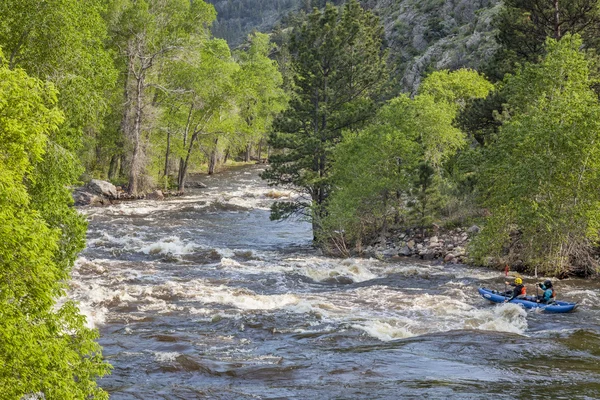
[203, 297]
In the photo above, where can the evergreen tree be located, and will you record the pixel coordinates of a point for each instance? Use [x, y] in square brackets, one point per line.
[524, 25]
[339, 71]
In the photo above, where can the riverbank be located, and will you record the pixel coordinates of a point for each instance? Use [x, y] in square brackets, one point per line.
[449, 246]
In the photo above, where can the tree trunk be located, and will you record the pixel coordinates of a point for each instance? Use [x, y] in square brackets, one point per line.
[166, 172]
[122, 165]
[557, 34]
[183, 163]
[134, 171]
[248, 151]
[212, 163]
[226, 156]
[112, 169]
[260, 151]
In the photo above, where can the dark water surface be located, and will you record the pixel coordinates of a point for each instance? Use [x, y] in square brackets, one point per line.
[204, 297]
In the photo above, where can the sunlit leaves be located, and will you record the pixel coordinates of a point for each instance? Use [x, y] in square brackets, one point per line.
[44, 348]
[542, 172]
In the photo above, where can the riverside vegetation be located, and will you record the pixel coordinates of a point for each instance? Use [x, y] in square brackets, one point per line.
[140, 92]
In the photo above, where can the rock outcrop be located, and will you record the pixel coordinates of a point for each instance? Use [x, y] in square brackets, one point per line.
[449, 246]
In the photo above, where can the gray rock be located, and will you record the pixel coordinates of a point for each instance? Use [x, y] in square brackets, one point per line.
[474, 229]
[156, 195]
[102, 188]
[405, 251]
[449, 257]
[419, 246]
[411, 244]
[390, 252]
[83, 198]
[433, 239]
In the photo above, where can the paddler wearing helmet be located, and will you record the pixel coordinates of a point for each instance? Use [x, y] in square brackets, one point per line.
[549, 296]
[519, 292]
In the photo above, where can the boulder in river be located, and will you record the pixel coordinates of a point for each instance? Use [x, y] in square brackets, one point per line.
[84, 198]
[102, 188]
[155, 195]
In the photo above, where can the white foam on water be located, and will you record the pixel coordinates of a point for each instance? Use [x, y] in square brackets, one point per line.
[319, 269]
[588, 298]
[247, 300]
[94, 316]
[228, 262]
[384, 331]
[127, 242]
[165, 356]
[503, 318]
[171, 244]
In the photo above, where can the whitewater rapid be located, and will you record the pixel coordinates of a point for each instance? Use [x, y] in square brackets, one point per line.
[204, 297]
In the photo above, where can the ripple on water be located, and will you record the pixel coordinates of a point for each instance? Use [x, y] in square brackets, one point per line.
[203, 297]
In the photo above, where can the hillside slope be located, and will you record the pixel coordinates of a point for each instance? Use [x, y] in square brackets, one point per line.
[423, 35]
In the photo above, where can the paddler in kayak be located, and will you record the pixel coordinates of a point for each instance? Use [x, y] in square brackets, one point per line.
[549, 295]
[519, 292]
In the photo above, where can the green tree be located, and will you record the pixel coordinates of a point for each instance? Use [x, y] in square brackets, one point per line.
[147, 33]
[524, 25]
[44, 347]
[203, 88]
[260, 93]
[392, 170]
[62, 41]
[339, 71]
[542, 173]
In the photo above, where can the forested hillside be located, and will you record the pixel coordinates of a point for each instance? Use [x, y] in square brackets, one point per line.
[422, 35]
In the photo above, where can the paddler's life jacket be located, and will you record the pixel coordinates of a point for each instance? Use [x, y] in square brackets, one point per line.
[522, 290]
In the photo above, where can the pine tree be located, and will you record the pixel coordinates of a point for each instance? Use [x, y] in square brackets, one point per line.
[339, 72]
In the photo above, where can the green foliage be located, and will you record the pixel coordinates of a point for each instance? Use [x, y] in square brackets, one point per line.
[524, 25]
[392, 170]
[259, 88]
[541, 174]
[62, 41]
[43, 348]
[339, 74]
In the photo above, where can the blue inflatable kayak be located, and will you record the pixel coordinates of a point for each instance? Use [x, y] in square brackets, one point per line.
[556, 307]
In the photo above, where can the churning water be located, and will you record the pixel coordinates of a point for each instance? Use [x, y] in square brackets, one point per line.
[204, 297]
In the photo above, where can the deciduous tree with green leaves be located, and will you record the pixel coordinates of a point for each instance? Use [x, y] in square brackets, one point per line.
[339, 68]
[147, 33]
[542, 173]
[45, 347]
[391, 171]
[260, 95]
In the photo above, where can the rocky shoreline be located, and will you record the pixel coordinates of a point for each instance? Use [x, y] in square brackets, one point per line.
[448, 246]
[98, 193]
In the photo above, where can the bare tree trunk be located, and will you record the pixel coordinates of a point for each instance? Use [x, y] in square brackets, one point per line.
[112, 169]
[226, 156]
[183, 163]
[212, 163]
[166, 172]
[260, 144]
[557, 34]
[248, 152]
[136, 136]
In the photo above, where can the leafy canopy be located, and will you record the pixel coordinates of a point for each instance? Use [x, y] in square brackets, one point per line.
[43, 348]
